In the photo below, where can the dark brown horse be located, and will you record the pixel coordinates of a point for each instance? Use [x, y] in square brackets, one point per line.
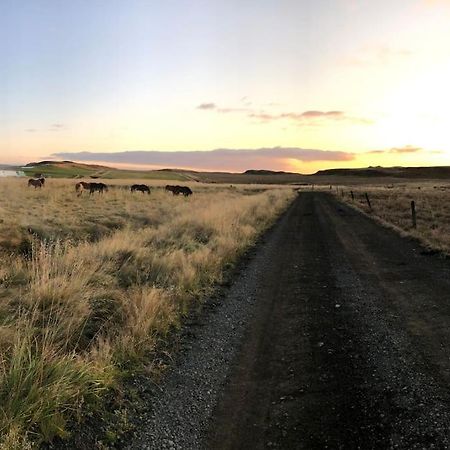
[141, 188]
[186, 191]
[97, 187]
[35, 183]
[177, 190]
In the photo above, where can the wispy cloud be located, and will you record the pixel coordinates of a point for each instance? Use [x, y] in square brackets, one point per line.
[206, 106]
[405, 149]
[400, 150]
[305, 118]
[57, 126]
[275, 158]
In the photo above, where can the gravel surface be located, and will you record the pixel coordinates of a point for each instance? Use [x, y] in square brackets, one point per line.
[334, 335]
[182, 405]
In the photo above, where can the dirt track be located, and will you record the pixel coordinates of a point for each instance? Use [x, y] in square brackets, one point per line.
[345, 345]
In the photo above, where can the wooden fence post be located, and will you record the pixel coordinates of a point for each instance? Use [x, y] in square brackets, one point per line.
[353, 197]
[368, 201]
[413, 214]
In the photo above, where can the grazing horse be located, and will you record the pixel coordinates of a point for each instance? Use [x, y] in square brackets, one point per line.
[99, 187]
[42, 180]
[35, 183]
[140, 187]
[174, 189]
[177, 190]
[81, 186]
[186, 191]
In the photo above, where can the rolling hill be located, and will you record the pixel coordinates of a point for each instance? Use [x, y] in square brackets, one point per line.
[71, 169]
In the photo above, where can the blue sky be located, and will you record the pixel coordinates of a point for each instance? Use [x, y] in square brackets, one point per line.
[111, 76]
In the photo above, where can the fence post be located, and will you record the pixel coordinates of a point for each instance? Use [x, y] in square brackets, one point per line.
[353, 197]
[368, 201]
[413, 214]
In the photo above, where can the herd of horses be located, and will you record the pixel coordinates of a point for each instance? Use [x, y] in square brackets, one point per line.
[102, 187]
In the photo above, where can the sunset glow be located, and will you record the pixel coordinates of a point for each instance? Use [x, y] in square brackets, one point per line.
[368, 80]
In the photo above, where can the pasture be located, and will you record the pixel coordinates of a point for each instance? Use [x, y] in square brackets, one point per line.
[90, 285]
[391, 204]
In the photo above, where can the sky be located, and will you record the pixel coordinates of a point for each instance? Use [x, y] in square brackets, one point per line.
[276, 84]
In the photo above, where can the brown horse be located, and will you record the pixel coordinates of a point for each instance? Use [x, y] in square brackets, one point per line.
[35, 183]
[140, 187]
[81, 186]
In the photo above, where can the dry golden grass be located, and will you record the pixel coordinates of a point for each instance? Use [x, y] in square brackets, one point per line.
[90, 285]
[392, 205]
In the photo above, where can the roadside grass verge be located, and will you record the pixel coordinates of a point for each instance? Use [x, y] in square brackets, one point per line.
[91, 285]
[391, 205]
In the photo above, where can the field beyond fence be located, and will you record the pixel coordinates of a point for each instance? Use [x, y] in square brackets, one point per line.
[427, 218]
[90, 285]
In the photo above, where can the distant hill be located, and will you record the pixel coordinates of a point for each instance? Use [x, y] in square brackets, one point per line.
[71, 169]
[440, 172]
[66, 164]
[267, 172]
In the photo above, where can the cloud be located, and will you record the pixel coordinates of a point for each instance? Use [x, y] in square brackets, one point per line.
[206, 106]
[30, 130]
[405, 149]
[275, 158]
[57, 126]
[376, 152]
[305, 118]
[310, 118]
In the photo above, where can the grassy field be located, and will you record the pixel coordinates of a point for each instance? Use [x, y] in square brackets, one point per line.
[91, 285]
[391, 204]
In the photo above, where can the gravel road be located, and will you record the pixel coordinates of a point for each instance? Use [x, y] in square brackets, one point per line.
[334, 335]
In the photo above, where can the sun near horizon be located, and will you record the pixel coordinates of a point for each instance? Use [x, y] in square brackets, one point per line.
[282, 85]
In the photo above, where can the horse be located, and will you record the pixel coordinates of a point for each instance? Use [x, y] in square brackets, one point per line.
[177, 190]
[79, 187]
[35, 183]
[186, 191]
[140, 187]
[42, 180]
[173, 189]
[99, 187]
